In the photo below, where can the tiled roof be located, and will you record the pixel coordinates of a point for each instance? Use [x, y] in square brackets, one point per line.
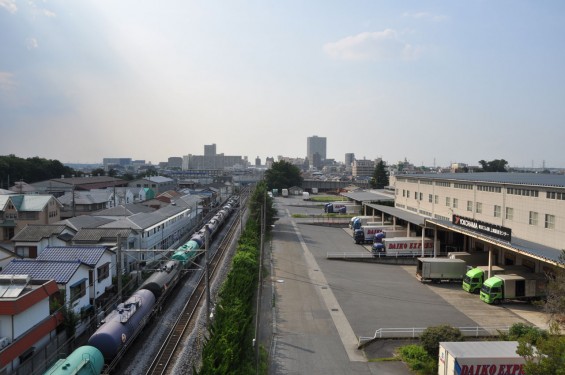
[61, 272]
[85, 221]
[33, 232]
[97, 235]
[85, 254]
[127, 210]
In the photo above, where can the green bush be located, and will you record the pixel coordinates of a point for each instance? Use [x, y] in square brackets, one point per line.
[432, 336]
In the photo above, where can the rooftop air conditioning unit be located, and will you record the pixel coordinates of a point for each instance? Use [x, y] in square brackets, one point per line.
[4, 342]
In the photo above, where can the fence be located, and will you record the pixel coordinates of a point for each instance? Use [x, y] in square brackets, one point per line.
[400, 333]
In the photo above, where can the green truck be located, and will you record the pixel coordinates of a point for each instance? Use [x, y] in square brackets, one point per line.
[514, 287]
[474, 278]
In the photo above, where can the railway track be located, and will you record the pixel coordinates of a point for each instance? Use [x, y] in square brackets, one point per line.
[187, 320]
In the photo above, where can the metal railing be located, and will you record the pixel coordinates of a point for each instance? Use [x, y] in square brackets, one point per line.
[348, 255]
[396, 333]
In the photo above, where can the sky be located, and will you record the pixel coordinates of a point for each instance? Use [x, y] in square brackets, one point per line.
[430, 82]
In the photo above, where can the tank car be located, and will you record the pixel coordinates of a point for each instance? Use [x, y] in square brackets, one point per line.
[86, 360]
[120, 325]
[162, 279]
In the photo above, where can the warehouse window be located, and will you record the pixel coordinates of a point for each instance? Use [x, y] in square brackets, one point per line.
[436, 199]
[479, 208]
[550, 221]
[533, 218]
[509, 213]
[430, 198]
[470, 206]
[497, 211]
[447, 201]
[455, 203]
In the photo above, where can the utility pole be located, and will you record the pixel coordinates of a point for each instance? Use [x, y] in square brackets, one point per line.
[119, 266]
[207, 276]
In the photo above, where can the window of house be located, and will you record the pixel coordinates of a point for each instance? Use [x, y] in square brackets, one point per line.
[497, 211]
[470, 206]
[550, 221]
[479, 207]
[78, 289]
[103, 271]
[533, 218]
[509, 213]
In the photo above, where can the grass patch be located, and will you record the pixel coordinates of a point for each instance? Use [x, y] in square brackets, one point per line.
[419, 361]
[389, 359]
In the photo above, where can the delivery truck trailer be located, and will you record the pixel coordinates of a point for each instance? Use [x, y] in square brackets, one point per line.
[439, 270]
[405, 246]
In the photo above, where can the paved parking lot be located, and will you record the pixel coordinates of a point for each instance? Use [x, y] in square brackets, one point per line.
[323, 306]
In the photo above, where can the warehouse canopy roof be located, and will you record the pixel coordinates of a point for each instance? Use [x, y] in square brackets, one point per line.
[531, 249]
[401, 214]
[369, 195]
[531, 179]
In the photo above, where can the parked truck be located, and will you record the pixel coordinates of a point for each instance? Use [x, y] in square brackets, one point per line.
[405, 246]
[331, 208]
[475, 277]
[440, 269]
[284, 192]
[390, 233]
[357, 222]
[514, 287]
[366, 233]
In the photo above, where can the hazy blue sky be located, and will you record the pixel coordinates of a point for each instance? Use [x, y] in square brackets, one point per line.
[429, 81]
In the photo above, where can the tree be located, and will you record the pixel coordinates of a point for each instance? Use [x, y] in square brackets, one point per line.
[258, 198]
[496, 165]
[380, 176]
[432, 336]
[555, 303]
[98, 172]
[283, 175]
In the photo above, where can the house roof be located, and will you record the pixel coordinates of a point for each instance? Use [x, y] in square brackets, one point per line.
[85, 197]
[98, 235]
[127, 210]
[85, 254]
[36, 232]
[61, 272]
[24, 202]
[159, 179]
[85, 221]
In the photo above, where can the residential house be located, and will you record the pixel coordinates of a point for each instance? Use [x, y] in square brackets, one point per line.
[158, 184]
[27, 322]
[101, 260]
[84, 202]
[60, 186]
[71, 277]
[32, 239]
[19, 210]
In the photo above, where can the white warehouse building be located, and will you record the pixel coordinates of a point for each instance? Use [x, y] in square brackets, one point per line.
[518, 217]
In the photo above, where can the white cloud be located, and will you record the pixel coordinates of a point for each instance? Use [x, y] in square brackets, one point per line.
[426, 15]
[7, 82]
[372, 46]
[9, 5]
[31, 43]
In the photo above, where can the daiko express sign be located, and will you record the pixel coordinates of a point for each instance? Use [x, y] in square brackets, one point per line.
[488, 229]
[490, 369]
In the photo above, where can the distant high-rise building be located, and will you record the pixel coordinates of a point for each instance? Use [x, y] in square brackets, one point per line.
[174, 162]
[349, 157]
[257, 161]
[316, 145]
[210, 150]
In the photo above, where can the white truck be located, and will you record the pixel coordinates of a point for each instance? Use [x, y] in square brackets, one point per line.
[437, 270]
[284, 192]
[405, 246]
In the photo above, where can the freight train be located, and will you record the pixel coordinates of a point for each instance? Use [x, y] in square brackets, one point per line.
[120, 327]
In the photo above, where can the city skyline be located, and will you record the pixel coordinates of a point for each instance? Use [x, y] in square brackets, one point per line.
[430, 82]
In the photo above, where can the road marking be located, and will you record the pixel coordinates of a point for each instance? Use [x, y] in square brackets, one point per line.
[346, 334]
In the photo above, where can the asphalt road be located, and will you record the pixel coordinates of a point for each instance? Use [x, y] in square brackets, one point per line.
[322, 306]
